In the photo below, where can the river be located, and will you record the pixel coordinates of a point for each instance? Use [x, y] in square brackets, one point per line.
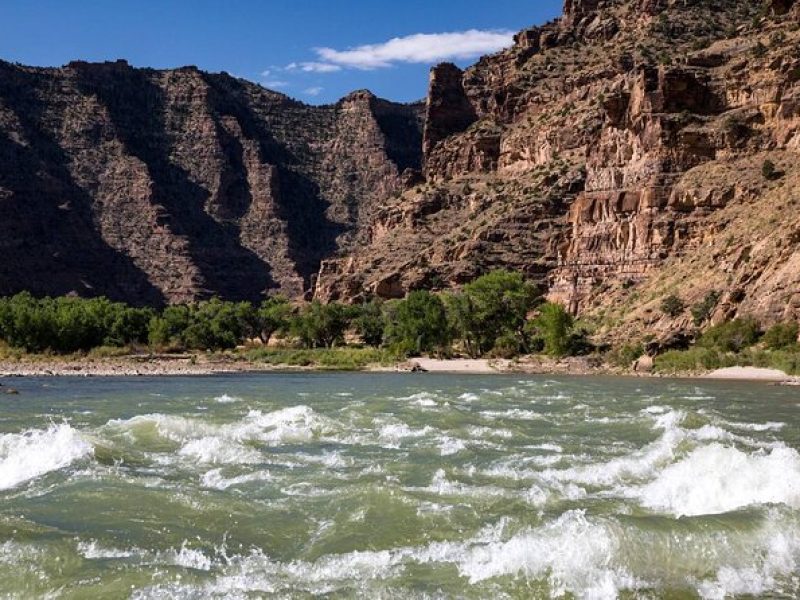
[399, 486]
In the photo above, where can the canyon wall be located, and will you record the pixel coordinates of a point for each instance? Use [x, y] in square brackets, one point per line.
[596, 154]
[170, 186]
[615, 155]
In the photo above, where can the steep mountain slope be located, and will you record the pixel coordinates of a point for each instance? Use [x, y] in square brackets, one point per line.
[600, 153]
[166, 186]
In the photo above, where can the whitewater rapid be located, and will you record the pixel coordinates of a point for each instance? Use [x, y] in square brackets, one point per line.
[499, 487]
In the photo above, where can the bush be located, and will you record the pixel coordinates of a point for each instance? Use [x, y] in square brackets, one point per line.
[702, 312]
[781, 336]
[625, 355]
[672, 306]
[733, 336]
[69, 324]
[692, 360]
[342, 359]
[768, 169]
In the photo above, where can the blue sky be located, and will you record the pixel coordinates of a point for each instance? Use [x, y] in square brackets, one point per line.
[314, 50]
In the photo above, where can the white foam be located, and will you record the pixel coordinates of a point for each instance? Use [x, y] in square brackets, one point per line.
[514, 413]
[226, 399]
[209, 443]
[448, 446]
[28, 455]
[219, 451]
[715, 479]
[214, 479]
[575, 554]
[92, 550]
[392, 434]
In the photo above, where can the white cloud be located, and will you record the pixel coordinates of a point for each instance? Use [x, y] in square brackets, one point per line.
[313, 91]
[417, 48]
[270, 79]
[313, 67]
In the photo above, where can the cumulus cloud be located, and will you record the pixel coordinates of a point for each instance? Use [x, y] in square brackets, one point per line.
[416, 48]
[313, 67]
[313, 91]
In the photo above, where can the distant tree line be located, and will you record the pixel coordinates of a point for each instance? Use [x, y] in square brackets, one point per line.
[499, 314]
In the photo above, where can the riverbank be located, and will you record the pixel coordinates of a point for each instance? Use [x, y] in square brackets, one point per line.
[223, 363]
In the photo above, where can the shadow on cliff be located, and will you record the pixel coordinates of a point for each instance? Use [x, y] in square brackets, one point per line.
[138, 110]
[300, 201]
[50, 244]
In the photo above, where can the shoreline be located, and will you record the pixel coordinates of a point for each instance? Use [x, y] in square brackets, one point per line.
[199, 365]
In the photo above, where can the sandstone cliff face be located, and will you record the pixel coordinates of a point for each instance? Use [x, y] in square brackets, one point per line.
[589, 155]
[167, 186]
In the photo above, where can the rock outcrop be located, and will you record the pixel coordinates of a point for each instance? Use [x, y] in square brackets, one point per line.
[165, 186]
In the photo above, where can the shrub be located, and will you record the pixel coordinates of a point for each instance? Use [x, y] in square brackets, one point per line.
[672, 306]
[732, 336]
[702, 312]
[692, 360]
[625, 355]
[768, 169]
[69, 324]
[781, 336]
[342, 359]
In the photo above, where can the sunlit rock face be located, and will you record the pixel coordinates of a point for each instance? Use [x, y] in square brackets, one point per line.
[600, 151]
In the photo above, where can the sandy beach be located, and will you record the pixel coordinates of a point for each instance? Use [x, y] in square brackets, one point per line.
[752, 374]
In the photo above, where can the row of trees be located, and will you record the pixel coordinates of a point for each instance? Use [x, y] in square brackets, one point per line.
[498, 314]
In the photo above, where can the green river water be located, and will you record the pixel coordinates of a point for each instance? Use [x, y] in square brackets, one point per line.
[398, 486]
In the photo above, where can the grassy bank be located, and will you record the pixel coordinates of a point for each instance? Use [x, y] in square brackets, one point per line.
[696, 360]
[336, 359]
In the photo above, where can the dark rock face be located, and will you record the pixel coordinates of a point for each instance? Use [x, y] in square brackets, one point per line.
[165, 186]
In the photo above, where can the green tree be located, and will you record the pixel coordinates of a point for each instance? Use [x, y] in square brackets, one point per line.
[218, 325]
[370, 323]
[493, 306]
[555, 325]
[701, 312]
[732, 336]
[273, 317]
[167, 329]
[320, 324]
[419, 324]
